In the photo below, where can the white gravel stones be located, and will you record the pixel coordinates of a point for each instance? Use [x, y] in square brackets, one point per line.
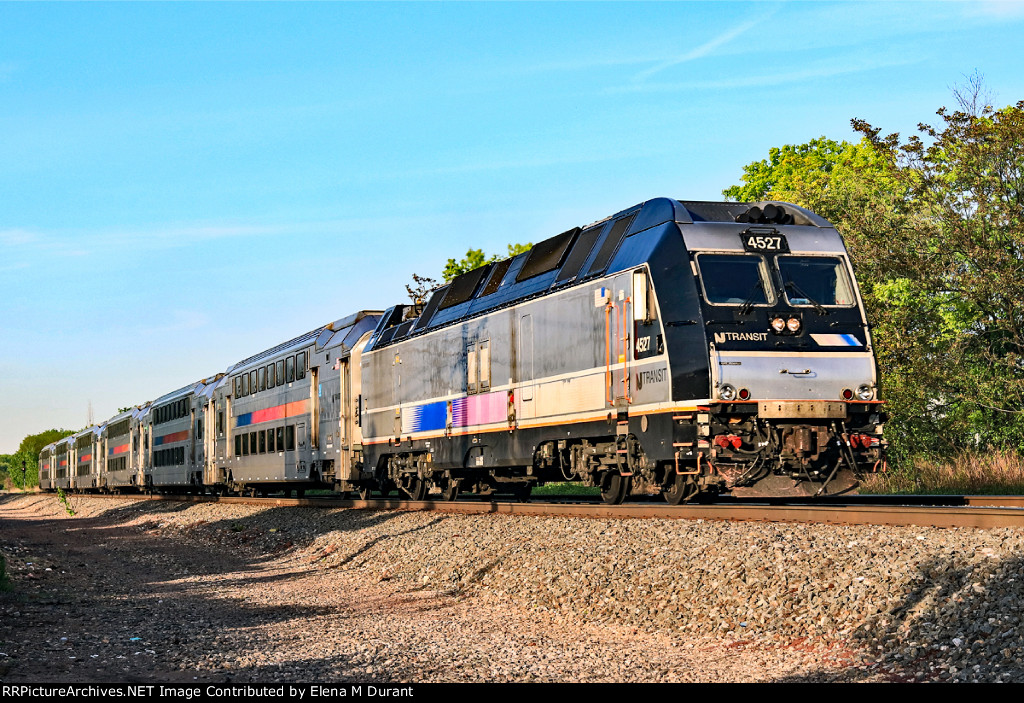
[576, 599]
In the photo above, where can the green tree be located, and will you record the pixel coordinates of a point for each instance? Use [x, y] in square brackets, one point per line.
[422, 286]
[961, 258]
[27, 456]
[933, 225]
[475, 258]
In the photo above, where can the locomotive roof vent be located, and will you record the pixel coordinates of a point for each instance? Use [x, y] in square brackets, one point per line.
[770, 214]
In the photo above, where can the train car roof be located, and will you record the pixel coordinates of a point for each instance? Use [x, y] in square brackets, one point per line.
[179, 393]
[207, 386]
[601, 248]
[342, 332]
[120, 416]
[94, 429]
[299, 342]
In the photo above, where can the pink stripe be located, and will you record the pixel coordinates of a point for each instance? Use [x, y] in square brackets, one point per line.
[173, 437]
[268, 414]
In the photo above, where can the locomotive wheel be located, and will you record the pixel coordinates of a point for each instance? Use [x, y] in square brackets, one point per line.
[416, 488]
[521, 494]
[450, 489]
[615, 487]
[680, 490]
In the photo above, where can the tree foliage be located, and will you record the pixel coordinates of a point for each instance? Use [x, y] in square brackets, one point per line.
[935, 227]
[475, 258]
[27, 456]
[422, 286]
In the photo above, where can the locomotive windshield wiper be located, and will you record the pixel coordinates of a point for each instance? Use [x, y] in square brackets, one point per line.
[818, 307]
[748, 304]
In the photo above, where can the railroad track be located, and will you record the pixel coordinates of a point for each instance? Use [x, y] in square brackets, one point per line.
[984, 512]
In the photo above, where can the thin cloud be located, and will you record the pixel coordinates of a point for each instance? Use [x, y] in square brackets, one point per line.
[181, 321]
[512, 164]
[700, 51]
[781, 78]
[85, 242]
[999, 9]
[16, 237]
[7, 69]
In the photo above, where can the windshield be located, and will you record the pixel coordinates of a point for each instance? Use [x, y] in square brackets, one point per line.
[815, 280]
[733, 279]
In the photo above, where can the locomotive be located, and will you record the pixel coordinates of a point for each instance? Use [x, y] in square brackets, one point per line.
[681, 348]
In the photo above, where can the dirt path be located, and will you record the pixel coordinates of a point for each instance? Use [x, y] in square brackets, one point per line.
[164, 592]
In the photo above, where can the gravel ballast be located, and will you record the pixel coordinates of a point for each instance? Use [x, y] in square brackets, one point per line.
[150, 590]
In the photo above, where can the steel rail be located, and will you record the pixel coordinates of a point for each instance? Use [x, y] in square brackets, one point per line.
[986, 513]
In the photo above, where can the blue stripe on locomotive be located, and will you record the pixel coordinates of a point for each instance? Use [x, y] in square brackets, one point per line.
[432, 416]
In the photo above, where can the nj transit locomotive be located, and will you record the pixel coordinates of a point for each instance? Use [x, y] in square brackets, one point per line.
[682, 348]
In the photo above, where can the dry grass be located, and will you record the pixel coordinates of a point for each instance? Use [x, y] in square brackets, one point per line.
[995, 473]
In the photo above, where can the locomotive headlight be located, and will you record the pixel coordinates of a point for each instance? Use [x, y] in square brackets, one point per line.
[793, 324]
[727, 392]
[778, 324]
[865, 392]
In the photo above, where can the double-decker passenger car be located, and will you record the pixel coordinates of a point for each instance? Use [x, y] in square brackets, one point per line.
[119, 469]
[284, 418]
[46, 470]
[86, 459]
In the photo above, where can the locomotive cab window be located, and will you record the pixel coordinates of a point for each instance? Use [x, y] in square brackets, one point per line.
[734, 279]
[815, 280]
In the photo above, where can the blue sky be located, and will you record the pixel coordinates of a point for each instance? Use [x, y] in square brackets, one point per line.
[182, 185]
